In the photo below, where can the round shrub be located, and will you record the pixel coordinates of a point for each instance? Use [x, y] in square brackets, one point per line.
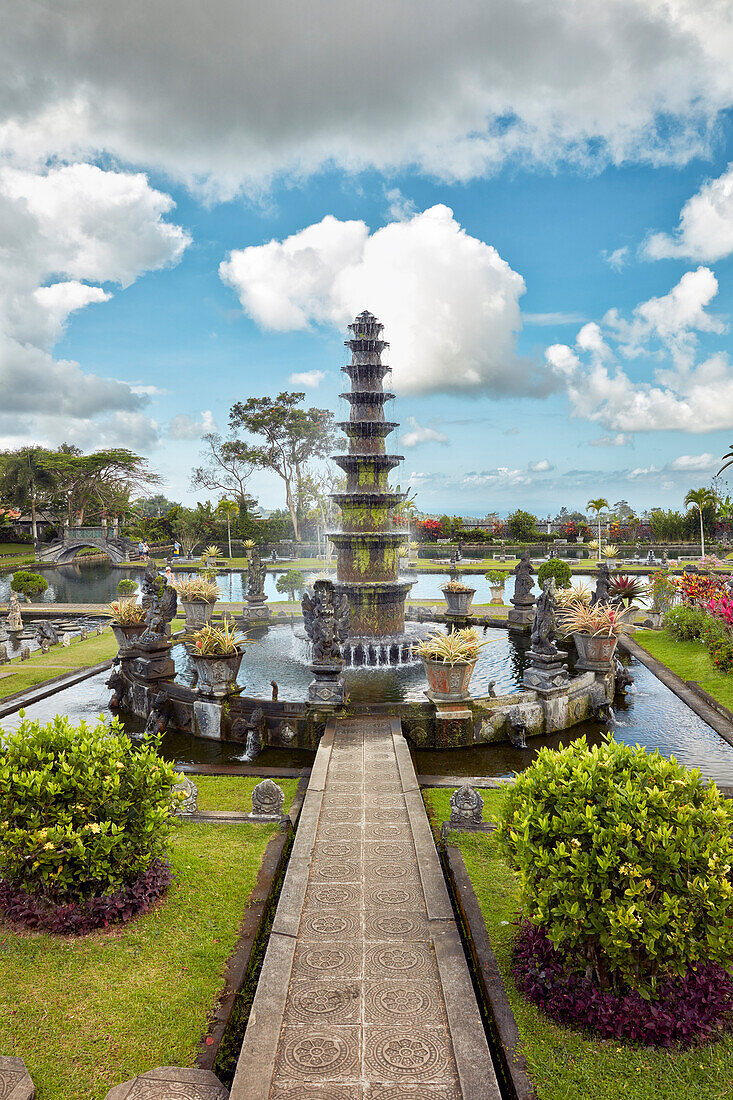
[624, 861]
[687, 623]
[126, 587]
[555, 567]
[28, 584]
[83, 812]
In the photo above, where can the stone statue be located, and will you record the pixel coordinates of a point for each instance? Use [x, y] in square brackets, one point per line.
[161, 712]
[466, 808]
[15, 619]
[543, 627]
[189, 803]
[524, 582]
[267, 800]
[45, 645]
[4, 654]
[118, 686]
[326, 617]
[24, 653]
[46, 631]
[601, 594]
[160, 600]
[256, 574]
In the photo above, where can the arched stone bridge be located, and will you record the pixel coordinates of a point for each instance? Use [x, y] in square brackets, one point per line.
[64, 550]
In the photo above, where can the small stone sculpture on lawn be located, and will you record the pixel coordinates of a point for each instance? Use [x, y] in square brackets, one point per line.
[24, 653]
[267, 800]
[189, 803]
[45, 645]
[466, 808]
[4, 655]
[15, 620]
[66, 639]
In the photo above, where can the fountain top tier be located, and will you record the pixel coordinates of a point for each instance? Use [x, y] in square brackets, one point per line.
[367, 545]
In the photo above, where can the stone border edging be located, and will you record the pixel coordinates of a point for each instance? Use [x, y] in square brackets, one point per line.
[11, 703]
[488, 978]
[722, 726]
[237, 965]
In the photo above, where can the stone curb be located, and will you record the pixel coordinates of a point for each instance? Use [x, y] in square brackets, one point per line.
[683, 691]
[489, 980]
[15, 1080]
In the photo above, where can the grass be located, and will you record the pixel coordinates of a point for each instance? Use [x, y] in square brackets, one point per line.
[563, 1064]
[690, 660]
[44, 666]
[92, 1012]
[234, 792]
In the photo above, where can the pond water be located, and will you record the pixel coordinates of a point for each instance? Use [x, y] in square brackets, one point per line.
[650, 715]
[96, 583]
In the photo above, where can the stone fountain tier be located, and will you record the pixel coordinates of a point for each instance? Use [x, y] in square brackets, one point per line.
[367, 510]
[368, 556]
[366, 430]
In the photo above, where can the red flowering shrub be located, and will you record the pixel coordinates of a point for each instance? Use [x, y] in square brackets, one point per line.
[698, 589]
[430, 529]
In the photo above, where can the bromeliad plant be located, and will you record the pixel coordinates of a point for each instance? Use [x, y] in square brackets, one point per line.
[624, 861]
[599, 621]
[627, 590]
[127, 612]
[576, 593]
[197, 588]
[217, 641]
[456, 586]
[458, 647]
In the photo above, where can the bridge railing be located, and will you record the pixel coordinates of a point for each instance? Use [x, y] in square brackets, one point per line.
[76, 534]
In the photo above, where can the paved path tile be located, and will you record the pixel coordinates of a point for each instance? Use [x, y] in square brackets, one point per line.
[363, 976]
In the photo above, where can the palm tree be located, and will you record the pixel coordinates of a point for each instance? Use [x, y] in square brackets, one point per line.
[229, 509]
[700, 498]
[26, 479]
[597, 506]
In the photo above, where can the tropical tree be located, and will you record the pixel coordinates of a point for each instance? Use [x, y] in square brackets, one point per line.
[227, 468]
[228, 510]
[597, 506]
[28, 480]
[701, 499]
[284, 439]
[291, 582]
[522, 526]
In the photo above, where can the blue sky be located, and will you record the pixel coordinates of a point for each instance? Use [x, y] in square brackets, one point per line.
[516, 386]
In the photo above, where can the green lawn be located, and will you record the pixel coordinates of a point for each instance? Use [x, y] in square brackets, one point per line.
[563, 1064]
[45, 666]
[234, 792]
[89, 1013]
[690, 660]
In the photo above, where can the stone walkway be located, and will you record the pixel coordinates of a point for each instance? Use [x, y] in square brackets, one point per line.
[364, 992]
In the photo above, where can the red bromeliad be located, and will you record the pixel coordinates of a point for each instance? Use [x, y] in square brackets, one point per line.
[721, 609]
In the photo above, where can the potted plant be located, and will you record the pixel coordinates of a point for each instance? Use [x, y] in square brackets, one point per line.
[610, 552]
[595, 631]
[627, 590]
[414, 549]
[210, 554]
[216, 652]
[198, 596]
[496, 579]
[458, 597]
[127, 622]
[249, 545]
[449, 661]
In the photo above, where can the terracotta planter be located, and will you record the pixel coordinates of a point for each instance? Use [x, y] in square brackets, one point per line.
[217, 676]
[497, 593]
[611, 563]
[459, 602]
[198, 613]
[448, 683]
[125, 635]
[595, 653]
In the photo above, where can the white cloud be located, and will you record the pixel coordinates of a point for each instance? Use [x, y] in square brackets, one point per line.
[419, 433]
[184, 426]
[246, 93]
[449, 303]
[308, 379]
[553, 318]
[64, 230]
[694, 462]
[541, 467]
[685, 395]
[617, 259]
[705, 231]
[618, 440]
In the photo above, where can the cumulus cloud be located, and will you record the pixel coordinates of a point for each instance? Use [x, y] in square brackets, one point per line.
[618, 440]
[308, 379]
[247, 93]
[449, 302]
[694, 462]
[419, 433]
[684, 395]
[552, 318]
[541, 467]
[184, 426]
[705, 231]
[64, 231]
[618, 259]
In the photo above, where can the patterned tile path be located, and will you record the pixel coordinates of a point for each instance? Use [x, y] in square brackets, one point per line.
[364, 993]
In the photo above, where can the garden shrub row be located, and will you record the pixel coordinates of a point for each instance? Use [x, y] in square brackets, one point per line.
[689, 624]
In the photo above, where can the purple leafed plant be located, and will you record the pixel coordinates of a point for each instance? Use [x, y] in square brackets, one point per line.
[684, 1009]
[78, 917]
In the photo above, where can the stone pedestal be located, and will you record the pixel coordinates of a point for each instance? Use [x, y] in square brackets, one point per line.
[547, 671]
[256, 611]
[453, 725]
[327, 687]
[151, 667]
[521, 616]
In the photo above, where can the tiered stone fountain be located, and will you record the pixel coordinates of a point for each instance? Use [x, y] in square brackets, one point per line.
[367, 546]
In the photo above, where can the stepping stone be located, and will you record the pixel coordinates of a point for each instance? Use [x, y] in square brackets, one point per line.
[168, 1082]
[15, 1080]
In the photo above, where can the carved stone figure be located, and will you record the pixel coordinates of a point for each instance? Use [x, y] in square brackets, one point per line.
[83, 634]
[251, 731]
[547, 669]
[45, 630]
[24, 653]
[601, 594]
[543, 627]
[161, 712]
[66, 639]
[118, 686]
[160, 600]
[466, 808]
[326, 617]
[256, 573]
[4, 654]
[267, 800]
[190, 792]
[45, 645]
[524, 582]
[15, 619]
